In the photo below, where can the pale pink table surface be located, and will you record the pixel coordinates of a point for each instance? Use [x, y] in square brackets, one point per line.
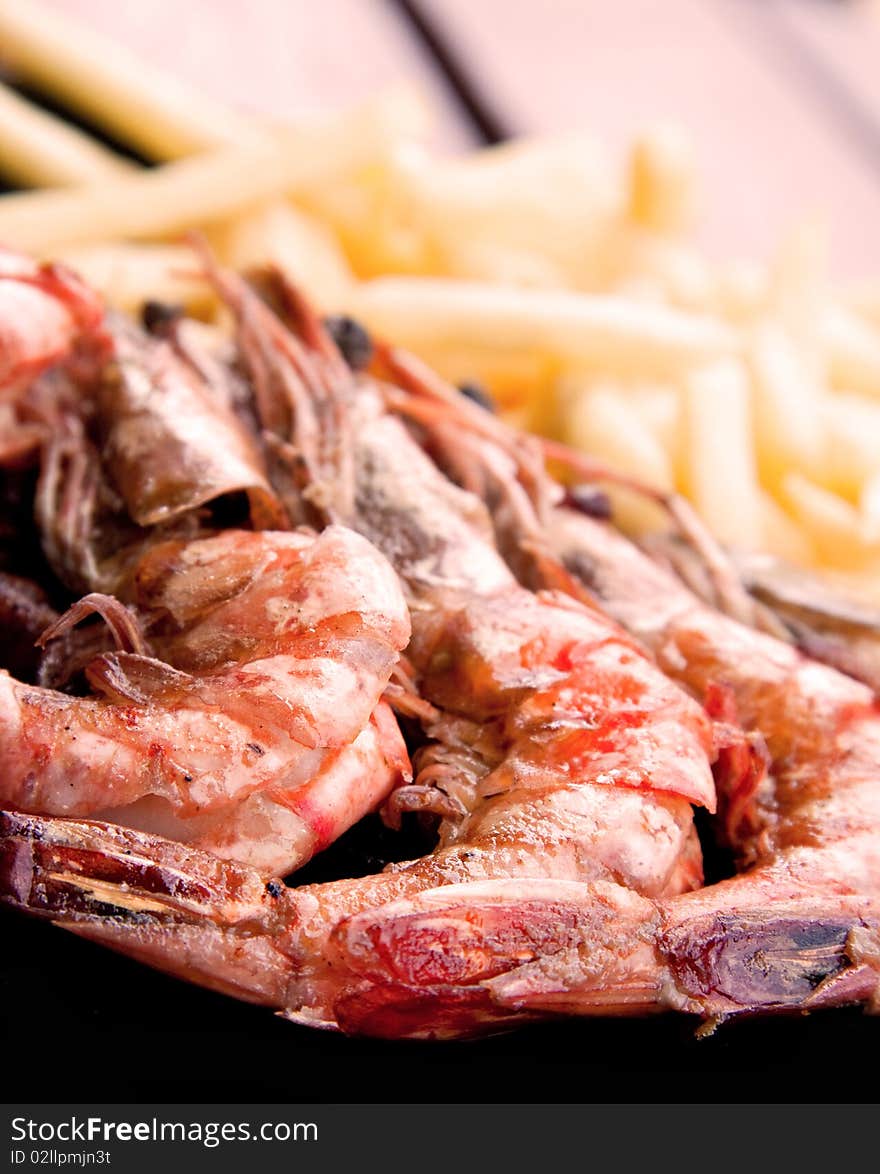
[782, 97]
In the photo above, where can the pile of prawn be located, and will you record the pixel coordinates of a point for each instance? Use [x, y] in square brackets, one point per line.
[284, 588]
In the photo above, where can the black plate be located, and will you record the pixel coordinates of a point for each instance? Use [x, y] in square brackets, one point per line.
[83, 1024]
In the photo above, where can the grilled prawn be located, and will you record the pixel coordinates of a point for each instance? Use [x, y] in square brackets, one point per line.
[799, 795]
[561, 763]
[563, 713]
[250, 718]
[556, 751]
[273, 650]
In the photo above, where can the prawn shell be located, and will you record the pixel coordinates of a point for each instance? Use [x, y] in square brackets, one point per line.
[171, 444]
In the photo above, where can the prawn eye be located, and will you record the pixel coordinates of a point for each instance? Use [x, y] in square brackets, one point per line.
[589, 500]
[351, 338]
[475, 391]
[157, 317]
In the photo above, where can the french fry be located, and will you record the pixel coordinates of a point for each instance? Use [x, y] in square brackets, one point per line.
[834, 526]
[603, 333]
[721, 469]
[152, 203]
[661, 180]
[601, 421]
[163, 201]
[787, 407]
[552, 202]
[278, 233]
[675, 272]
[476, 259]
[39, 150]
[798, 292]
[742, 290]
[851, 424]
[363, 212]
[863, 299]
[782, 536]
[853, 351]
[127, 275]
[141, 105]
[659, 407]
[869, 507]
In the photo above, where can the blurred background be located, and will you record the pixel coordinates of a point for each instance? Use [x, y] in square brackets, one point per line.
[780, 97]
[675, 267]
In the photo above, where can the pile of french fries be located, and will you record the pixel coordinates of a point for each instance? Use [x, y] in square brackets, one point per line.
[571, 288]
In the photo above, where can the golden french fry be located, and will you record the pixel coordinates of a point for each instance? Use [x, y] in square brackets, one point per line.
[788, 402]
[782, 536]
[363, 212]
[863, 298]
[742, 290]
[834, 525]
[603, 333]
[663, 267]
[140, 104]
[127, 275]
[721, 468]
[152, 203]
[354, 201]
[659, 408]
[798, 291]
[478, 260]
[602, 422]
[853, 347]
[851, 424]
[304, 248]
[532, 207]
[869, 506]
[167, 200]
[661, 180]
[39, 150]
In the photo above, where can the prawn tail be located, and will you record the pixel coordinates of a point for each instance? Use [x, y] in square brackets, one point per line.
[794, 955]
[177, 909]
[467, 960]
[476, 958]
